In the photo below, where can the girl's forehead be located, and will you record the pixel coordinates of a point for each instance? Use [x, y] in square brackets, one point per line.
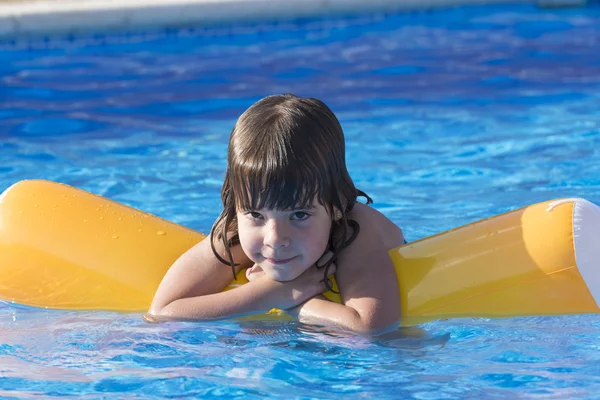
[315, 205]
[277, 197]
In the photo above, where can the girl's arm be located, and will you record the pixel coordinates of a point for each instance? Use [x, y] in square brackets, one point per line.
[192, 288]
[370, 296]
[368, 290]
[254, 297]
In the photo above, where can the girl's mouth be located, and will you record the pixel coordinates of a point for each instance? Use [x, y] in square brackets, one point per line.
[281, 261]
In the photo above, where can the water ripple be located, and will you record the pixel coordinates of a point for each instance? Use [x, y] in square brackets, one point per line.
[450, 116]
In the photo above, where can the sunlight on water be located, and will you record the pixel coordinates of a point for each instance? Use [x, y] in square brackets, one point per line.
[62, 353]
[450, 116]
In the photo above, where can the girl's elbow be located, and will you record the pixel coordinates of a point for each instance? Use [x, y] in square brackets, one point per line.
[370, 324]
[158, 313]
[383, 327]
[151, 318]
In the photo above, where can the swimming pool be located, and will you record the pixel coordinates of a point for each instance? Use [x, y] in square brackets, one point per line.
[451, 116]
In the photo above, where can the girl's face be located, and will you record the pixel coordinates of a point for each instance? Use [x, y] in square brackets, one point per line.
[284, 243]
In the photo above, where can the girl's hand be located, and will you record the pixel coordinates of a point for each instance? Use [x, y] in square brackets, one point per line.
[254, 273]
[308, 285]
[295, 311]
[293, 293]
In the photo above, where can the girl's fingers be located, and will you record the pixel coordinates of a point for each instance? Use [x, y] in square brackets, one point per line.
[325, 258]
[254, 272]
[332, 269]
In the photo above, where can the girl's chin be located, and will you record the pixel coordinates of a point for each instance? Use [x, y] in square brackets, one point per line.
[283, 277]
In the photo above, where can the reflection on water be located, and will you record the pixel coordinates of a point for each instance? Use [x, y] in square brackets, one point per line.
[61, 352]
[450, 116]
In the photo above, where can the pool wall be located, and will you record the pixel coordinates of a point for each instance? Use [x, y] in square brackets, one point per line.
[34, 19]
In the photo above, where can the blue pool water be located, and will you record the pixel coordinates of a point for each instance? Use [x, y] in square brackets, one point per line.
[451, 116]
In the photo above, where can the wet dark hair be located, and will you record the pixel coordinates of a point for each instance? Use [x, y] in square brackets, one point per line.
[285, 151]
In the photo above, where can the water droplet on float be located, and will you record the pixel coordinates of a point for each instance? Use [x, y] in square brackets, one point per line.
[161, 233]
[101, 217]
[115, 236]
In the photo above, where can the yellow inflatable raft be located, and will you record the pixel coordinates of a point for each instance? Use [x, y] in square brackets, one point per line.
[65, 248]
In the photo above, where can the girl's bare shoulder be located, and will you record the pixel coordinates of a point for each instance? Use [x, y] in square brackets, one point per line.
[366, 275]
[376, 226]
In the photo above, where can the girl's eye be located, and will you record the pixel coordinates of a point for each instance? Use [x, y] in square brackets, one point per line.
[300, 215]
[253, 215]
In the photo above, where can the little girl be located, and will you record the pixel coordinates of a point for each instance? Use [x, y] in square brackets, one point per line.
[291, 219]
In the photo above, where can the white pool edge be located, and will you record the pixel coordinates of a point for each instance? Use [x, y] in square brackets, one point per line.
[29, 19]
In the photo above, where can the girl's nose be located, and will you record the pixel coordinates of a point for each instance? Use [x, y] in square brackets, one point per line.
[276, 235]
